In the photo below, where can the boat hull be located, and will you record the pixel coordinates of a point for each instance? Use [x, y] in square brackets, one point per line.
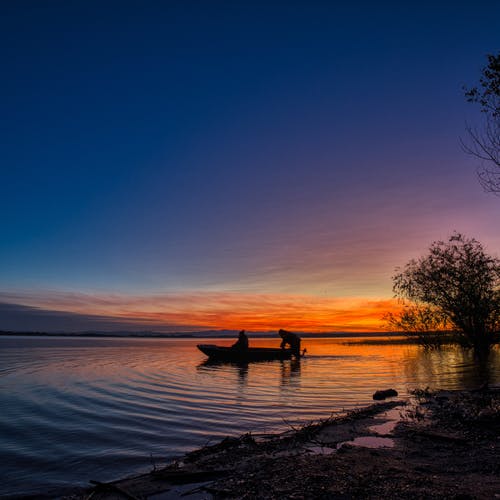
[219, 353]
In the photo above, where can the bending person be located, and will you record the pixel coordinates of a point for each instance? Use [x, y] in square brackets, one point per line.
[291, 339]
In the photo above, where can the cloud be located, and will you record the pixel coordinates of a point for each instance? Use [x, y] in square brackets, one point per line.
[61, 311]
[21, 318]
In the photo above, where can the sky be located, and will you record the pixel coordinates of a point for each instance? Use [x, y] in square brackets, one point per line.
[178, 166]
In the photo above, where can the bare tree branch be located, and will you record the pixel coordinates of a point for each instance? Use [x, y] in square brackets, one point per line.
[485, 145]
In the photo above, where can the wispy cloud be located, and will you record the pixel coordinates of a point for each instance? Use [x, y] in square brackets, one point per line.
[201, 310]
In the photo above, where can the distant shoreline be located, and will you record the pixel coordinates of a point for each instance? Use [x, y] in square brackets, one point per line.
[209, 334]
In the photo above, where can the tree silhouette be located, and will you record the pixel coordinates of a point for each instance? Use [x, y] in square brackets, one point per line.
[456, 287]
[484, 144]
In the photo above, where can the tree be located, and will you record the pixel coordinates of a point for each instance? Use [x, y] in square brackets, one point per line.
[485, 144]
[456, 287]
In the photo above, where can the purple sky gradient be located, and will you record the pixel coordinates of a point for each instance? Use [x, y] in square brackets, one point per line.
[300, 148]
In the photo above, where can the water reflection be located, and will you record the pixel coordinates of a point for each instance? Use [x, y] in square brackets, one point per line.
[290, 371]
[242, 373]
[451, 367]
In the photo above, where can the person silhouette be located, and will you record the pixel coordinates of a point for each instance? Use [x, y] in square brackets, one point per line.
[291, 339]
[242, 343]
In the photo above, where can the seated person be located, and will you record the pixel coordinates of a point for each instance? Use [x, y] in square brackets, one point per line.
[242, 343]
[291, 339]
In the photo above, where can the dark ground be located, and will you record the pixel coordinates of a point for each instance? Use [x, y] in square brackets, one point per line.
[444, 445]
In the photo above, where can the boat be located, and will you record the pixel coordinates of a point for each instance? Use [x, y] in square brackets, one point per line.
[220, 353]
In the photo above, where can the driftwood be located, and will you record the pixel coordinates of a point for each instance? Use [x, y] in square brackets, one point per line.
[439, 436]
[184, 477]
[226, 444]
[99, 486]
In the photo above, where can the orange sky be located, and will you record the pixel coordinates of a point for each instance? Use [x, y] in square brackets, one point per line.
[222, 310]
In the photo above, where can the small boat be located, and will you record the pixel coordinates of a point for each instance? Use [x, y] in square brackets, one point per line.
[219, 353]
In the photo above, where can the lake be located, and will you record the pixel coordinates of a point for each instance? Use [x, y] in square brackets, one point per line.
[75, 409]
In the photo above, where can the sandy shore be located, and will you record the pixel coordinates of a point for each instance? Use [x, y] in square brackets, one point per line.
[440, 445]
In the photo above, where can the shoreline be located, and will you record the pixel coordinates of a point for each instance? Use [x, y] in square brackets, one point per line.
[223, 334]
[351, 338]
[441, 444]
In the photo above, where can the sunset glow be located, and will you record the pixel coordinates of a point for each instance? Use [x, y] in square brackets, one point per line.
[195, 311]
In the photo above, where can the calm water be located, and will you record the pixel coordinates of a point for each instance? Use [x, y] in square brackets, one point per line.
[74, 409]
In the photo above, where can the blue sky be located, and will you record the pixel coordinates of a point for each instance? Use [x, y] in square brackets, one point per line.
[242, 147]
